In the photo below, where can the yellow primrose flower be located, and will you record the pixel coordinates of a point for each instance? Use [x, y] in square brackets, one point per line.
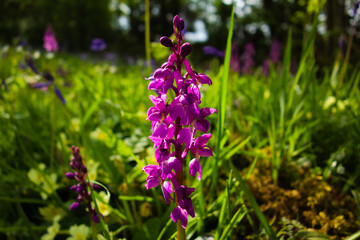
[101, 237]
[51, 212]
[308, 115]
[78, 232]
[266, 94]
[41, 179]
[103, 136]
[145, 209]
[92, 169]
[35, 176]
[52, 231]
[51, 185]
[75, 124]
[330, 100]
[104, 208]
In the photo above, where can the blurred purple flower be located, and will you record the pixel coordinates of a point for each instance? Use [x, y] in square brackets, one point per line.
[50, 43]
[79, 174]
[341, 42]
[265, 69]
[47, 76]
[293, 67]
[83, 56]
[97, 45]
[355, 7]
[234, 60]
[110, 56]
[210, 50]
[247, 58]
[275, 51]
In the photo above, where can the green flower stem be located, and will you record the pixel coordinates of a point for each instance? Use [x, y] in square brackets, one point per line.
[53, 123]
[93, 229]
[180, 180]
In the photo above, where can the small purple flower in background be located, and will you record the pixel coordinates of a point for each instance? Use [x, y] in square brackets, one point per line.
[235, 61]
[79, 174]
[210, 50]
[265, 69]
[293, 67]
[275, 51]
[247, 58]
[341, 42]
[97, 45]
[355, 8]
[47, 76]
[176, 122]
[50, 43]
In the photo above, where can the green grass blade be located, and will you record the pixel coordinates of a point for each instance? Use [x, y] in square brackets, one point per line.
[147, 36]
[222, 105]
[136, 198]
[254, 204]
[354, 236]
[309, 44]
[239, 215]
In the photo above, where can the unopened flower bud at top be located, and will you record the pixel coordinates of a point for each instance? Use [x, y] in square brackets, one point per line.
[178, 23]
[165, 41]
[185, 49]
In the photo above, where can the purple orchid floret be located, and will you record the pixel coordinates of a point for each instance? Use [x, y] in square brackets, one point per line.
[79, 174]
[174, 124]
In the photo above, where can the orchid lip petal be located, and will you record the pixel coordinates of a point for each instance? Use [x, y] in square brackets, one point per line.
[179, 214]
[194, 167]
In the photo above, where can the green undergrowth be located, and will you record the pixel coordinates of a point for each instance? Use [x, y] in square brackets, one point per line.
[287, 152]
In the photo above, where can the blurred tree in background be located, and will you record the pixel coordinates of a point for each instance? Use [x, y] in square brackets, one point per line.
[121, 23]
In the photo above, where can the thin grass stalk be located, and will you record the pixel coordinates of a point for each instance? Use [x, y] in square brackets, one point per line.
[93, 229]
[222, 103]
[254, 205]
[53, 126]
[346, 60]
[147, 36]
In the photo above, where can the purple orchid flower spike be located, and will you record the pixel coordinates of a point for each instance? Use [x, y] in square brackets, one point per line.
[79, 174]
[47, 76]
[174, 125]
[50, 43]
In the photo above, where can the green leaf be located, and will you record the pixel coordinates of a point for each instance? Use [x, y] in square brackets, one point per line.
[239, 215]
[254, 205]
[222, 104]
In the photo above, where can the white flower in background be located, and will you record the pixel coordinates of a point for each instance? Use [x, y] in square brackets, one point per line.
[36, 55]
